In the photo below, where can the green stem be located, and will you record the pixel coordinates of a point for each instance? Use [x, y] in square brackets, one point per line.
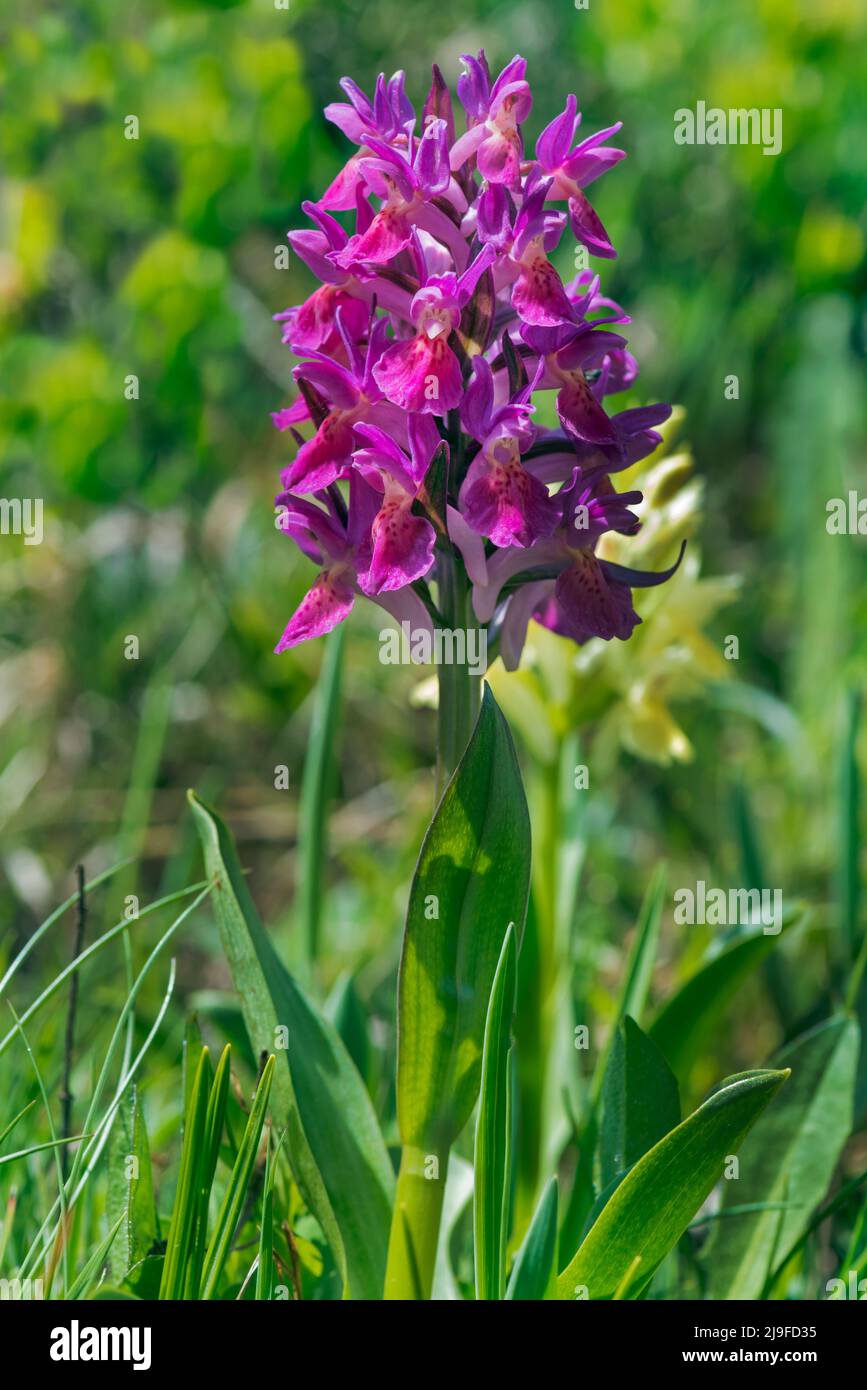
[421, 1182]
[415, 1226]
[459, 688]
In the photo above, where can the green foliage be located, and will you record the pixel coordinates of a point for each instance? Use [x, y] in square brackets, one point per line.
[789, 1160]
[653, 1205]
[154, 258]
[492, 1155]
[640, 1102]
[334, 1142]
[470, 884]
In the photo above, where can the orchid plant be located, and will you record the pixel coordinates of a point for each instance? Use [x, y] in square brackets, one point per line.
[429, 483]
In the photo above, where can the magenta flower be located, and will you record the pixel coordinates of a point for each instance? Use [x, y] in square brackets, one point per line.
[340, 542]
[499, 497]
[566, 586]
[424, 374]
[439, 324]
[573, 169]
[494, 115]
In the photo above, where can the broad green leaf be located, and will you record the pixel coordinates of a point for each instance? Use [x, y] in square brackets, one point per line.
[690, 1016]
[640, 1101]
[492, 1155]
[345, 1011]
[789, 1158]
[534, 1271]
[657, 1199]
[333, 1140]
[130, 1189]
[470, 883]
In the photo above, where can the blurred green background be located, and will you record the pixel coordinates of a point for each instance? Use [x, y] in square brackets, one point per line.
[155, 258]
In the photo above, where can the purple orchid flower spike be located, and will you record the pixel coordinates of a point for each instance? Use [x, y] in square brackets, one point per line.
[433, 487]
[423, 374]
[494, 115]
[572, 170]
[423, 352]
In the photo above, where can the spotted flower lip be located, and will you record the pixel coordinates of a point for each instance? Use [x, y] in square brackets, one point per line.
[440, 327]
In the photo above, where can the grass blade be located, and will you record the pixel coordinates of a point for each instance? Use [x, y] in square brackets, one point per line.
[185, 1206]
[90, 1273]
[233, 1201]
[492, 1156]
